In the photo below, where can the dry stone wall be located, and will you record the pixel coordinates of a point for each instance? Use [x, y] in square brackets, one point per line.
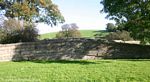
[57, 49]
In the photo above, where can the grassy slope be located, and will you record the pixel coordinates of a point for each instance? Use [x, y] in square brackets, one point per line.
[48, 35]
[84, 33]
[79, 71]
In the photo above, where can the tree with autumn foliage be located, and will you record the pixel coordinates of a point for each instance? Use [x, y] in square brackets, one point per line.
[32, 11]
[29, 12]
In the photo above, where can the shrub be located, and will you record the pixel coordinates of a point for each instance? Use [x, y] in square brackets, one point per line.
[111, 27]
[60, 34]
[29, 34]
[13, 32]
[119, 35]
[69, 31]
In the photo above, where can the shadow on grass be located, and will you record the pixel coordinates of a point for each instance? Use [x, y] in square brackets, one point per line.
[83, 62]
[134, 60]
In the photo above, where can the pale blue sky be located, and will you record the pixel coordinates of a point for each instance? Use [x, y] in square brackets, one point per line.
[85, 13]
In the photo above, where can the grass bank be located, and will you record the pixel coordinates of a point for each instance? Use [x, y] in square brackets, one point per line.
[84, 33]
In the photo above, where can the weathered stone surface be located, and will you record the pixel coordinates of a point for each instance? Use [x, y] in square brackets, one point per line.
[71, 49]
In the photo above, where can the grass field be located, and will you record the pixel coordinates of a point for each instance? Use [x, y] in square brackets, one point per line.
[76, 71]
[84, 33]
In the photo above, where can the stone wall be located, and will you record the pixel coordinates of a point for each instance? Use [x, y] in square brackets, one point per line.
[71, 49]
[7, 51]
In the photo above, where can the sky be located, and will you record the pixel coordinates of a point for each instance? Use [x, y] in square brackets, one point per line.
[85, 13]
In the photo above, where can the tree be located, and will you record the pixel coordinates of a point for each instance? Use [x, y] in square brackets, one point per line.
[32, 11]
[111, 27]
[133, 14]
[69, 31]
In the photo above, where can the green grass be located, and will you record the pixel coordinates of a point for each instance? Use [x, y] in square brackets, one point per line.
[92, 33]
[76, 71]
[84, 33]
[48, 35]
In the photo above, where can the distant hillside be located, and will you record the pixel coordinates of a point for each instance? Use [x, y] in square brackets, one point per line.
[84, 33]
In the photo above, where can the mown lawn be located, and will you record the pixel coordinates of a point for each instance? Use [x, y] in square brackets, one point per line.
[84, 33]
[76, 71]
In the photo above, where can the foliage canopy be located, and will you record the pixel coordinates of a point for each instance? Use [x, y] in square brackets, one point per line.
[32, 10]
[133, 14]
